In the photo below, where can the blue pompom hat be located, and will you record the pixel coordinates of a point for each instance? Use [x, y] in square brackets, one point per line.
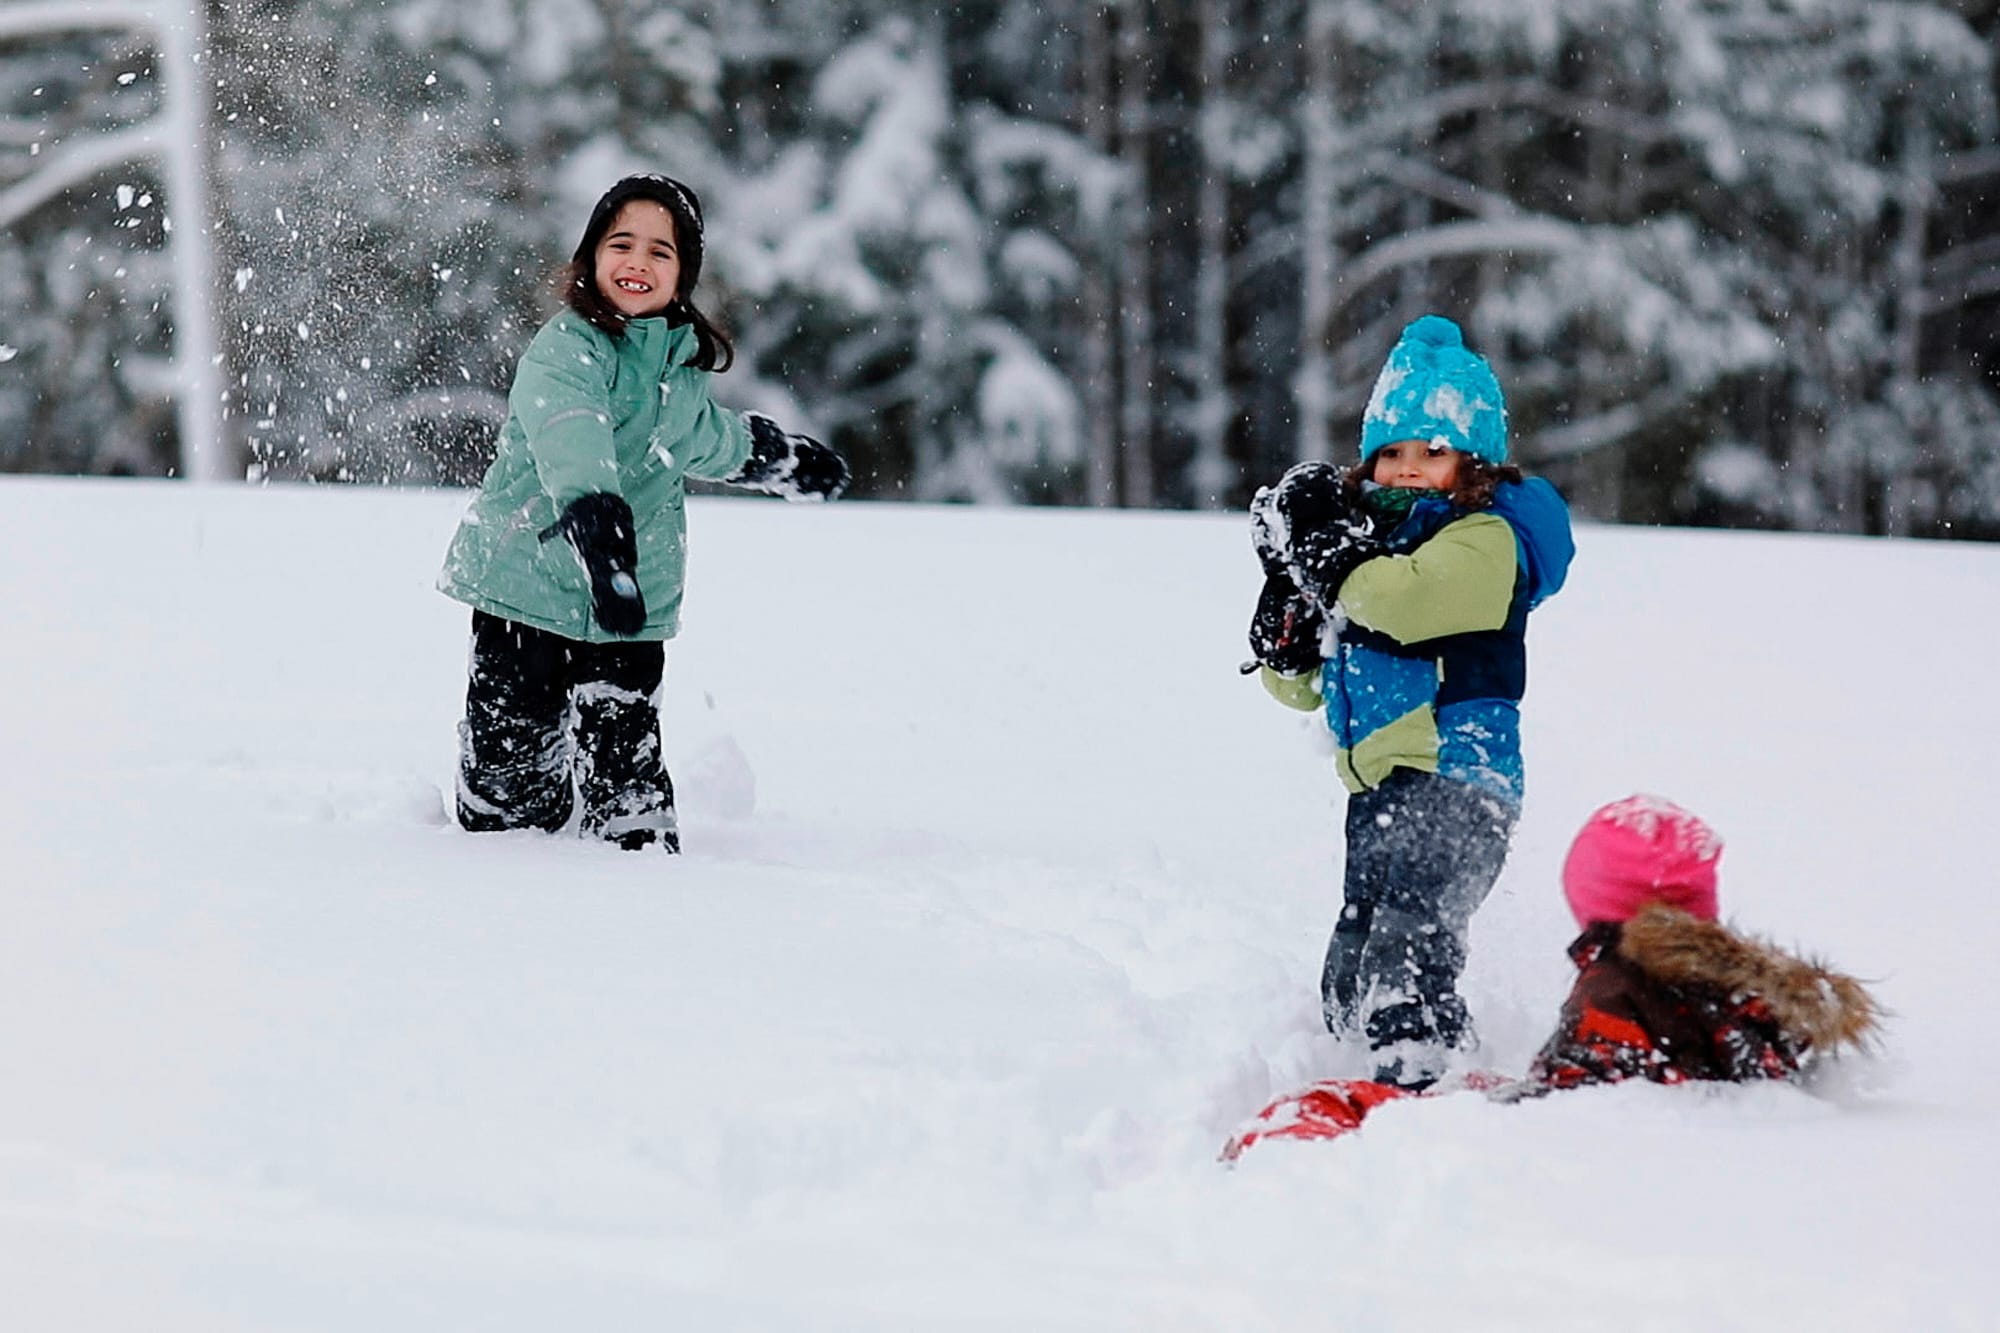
[1433, 388]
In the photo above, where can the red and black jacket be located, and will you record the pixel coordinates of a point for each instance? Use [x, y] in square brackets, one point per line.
[1667, 996]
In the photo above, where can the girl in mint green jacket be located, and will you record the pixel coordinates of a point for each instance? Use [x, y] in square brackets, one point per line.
[572, 554]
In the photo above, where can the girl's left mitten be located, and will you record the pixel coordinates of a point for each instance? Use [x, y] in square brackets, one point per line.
[793, 467]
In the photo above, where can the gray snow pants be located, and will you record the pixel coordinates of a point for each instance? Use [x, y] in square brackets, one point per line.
[1422, 853]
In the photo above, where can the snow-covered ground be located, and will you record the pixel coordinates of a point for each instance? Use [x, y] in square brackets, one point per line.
[1003, 904]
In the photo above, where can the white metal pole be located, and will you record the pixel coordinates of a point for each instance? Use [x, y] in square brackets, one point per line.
[187, 91]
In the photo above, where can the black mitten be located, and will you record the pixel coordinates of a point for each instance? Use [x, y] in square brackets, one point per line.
[1323, 557]
[1285, 629]
[600, 530]
[796, 467]
[1315, 526]
[1307, 495]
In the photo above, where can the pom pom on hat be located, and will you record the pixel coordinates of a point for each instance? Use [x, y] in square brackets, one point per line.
[1433, 387]
[1640, 850]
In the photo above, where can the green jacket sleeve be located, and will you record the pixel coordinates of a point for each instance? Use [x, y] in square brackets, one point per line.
[1300, 692]
[562, 399]
[1459, 581]
[718, 445]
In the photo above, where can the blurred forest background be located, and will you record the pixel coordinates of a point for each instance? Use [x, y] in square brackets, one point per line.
[1736, 261]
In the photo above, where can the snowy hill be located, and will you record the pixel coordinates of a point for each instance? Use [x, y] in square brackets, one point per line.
[1003, 905]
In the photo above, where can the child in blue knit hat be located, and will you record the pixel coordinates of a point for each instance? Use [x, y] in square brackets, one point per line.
[1396, 600]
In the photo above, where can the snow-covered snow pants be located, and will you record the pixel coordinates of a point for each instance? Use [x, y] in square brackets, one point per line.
[1422, 853]
[547, 718]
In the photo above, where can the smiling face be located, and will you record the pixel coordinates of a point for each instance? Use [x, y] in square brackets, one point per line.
[1418, 465]
[638, 261]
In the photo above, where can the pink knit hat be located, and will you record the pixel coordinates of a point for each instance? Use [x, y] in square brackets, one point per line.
[1639, 850]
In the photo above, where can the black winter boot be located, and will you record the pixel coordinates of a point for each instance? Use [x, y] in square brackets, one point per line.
[628, 799]
[1415, 1017]
[1413, 1040]
[513, 746]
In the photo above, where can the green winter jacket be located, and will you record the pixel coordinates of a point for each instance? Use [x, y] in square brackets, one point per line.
[589, 412]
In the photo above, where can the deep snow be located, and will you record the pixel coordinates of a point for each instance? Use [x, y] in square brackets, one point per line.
[1003, 905]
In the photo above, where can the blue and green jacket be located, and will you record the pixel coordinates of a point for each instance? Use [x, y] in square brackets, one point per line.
[1429, 671]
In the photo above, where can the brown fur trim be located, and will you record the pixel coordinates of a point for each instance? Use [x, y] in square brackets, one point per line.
[1821, 1008]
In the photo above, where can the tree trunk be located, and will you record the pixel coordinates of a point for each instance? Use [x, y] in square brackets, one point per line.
[1312, 384]
[1211, 474]
[1917, 189]
[1100, 335]
[1139, 356]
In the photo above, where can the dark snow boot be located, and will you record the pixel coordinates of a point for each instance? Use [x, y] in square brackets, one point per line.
[1414, 1016]
[1411, 1066]
[513, 746]
[1413, 1040]
[628, 798]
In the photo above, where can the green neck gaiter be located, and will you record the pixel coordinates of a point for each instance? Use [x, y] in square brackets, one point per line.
[1394, 501]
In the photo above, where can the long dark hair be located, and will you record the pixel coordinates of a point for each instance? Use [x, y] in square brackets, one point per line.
[713, 350]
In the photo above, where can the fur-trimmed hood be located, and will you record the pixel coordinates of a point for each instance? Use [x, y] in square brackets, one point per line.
[1819, 1008]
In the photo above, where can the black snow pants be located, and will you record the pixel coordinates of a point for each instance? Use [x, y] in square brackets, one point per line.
[1422, 853]
[549, 718]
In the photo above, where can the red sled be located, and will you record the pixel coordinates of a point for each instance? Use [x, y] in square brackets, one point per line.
[1335, 1106]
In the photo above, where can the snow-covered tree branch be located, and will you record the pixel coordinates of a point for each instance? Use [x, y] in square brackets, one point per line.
[77, 163]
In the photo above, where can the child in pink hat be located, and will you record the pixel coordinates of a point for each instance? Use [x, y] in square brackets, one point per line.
[1666, 992]
[1639, 850]
[1663, 990]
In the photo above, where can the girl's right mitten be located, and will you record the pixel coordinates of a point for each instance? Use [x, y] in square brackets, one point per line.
[600, 530]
